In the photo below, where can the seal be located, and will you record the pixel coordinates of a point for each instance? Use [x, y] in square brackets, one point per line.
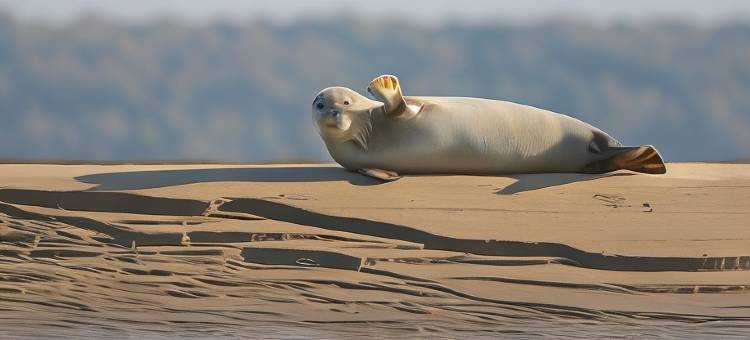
[396, 134]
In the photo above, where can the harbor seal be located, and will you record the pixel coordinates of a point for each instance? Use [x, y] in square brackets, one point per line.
[397, 134]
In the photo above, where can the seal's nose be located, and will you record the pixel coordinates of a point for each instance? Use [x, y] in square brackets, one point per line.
[334, 113]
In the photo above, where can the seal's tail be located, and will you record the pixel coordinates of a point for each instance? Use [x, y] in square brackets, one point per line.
[643, 159]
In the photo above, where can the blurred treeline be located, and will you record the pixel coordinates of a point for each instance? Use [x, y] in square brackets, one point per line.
[96, 89]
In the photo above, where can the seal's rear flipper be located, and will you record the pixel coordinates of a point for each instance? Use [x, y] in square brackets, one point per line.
[384, 175]
[643, 159]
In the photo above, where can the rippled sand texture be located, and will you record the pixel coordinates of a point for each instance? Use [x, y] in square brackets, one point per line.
[315, 251]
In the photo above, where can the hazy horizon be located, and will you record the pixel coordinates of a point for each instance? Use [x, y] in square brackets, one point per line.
[424, 12]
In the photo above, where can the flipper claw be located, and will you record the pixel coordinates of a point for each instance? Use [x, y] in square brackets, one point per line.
[380, 174]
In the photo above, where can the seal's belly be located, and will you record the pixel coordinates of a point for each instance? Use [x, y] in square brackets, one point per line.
[498, 140]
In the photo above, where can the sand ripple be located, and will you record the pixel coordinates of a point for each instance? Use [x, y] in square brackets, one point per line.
[124, 264]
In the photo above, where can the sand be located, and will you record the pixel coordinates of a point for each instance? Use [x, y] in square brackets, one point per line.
[314, 251]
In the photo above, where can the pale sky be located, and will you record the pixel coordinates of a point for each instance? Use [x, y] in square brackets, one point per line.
[435, 11]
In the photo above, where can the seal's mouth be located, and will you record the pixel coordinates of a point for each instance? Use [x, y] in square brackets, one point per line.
[333, 121]
[342, 122]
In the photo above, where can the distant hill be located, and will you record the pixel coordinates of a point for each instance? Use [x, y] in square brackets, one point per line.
[101, 90]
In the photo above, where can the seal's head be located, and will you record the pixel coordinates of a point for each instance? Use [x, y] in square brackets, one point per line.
[341, 114]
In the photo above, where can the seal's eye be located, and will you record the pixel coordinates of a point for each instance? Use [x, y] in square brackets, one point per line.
[346, 102]
[319, 105]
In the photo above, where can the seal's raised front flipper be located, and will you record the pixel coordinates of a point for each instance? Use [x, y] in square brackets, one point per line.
[384, 175]
[643, 159]
[386, 88]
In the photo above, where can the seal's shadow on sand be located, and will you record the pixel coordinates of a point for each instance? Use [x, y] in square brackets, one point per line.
[134, 180]
[528, 182]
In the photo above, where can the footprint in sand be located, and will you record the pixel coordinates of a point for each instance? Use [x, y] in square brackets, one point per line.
[618, 201]
[612, 200]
